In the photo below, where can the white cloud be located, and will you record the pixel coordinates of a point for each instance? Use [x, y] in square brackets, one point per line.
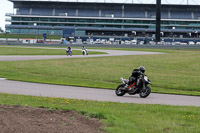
[5, 7]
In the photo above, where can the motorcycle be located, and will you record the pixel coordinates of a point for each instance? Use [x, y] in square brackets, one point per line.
[84, 52]
[69, 52]
[142, 88]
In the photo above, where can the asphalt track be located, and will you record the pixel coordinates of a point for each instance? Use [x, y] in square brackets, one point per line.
[48, 90]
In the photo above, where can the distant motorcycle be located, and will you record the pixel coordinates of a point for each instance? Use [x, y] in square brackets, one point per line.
[142, 88]
[69, 52]
[84, 52]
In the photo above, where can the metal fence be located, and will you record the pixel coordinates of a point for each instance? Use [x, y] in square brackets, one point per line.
[11, 43]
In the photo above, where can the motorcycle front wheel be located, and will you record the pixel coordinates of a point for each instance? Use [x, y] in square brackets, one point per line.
[145, 93]
[119, 90]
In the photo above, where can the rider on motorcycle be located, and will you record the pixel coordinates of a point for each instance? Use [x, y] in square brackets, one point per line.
[68, 49]
[83, 48]
[133, 79]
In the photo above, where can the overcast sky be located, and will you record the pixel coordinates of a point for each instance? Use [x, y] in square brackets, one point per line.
[7, 7]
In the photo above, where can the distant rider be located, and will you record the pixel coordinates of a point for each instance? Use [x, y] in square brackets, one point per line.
[68, 50]
[84, 49]
[133, 79]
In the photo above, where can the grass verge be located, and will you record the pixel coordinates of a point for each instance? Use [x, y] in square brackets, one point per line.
[118, 117]
[177, 72]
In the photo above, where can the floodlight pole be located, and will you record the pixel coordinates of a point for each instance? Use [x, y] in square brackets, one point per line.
[158, 15]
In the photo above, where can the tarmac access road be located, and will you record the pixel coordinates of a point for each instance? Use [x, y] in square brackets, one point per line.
[48, 90]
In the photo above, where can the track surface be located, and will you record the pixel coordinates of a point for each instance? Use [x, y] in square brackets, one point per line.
[36, 89]
[47, 90]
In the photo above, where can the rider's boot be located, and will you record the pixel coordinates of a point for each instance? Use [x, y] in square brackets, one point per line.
[132, 87]
[126, 87]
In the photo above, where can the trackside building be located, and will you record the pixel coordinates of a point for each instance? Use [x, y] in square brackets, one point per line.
[103, 20]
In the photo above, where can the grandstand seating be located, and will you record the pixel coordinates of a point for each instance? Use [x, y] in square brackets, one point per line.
[151, 14]
[181, 15]
[42, 11]
[60, 12]
[71, 12]
[88, 13]
[65, 12]
[134, 14]
[108, 13]
[196, 15]
[164, 15]
[23, 11]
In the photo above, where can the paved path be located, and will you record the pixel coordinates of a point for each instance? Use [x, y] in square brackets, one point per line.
[36, 89]
[47, 90]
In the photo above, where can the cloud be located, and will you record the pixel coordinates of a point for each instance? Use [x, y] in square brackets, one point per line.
[5, 7]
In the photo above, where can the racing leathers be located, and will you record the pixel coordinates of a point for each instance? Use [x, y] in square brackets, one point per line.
[133, 79]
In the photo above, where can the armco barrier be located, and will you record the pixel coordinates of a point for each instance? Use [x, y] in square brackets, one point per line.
[108, 46]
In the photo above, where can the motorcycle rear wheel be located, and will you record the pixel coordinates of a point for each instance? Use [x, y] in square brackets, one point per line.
[145, 93]
[119, 91]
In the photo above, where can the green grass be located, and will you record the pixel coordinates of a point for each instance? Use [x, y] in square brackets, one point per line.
[38, 51]
[29, 36]
[176, 72]
[118, 117]
[136, 49]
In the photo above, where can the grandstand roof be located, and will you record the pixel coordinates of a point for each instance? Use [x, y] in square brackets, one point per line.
[106, 2]
[102, 1]
[98, 5]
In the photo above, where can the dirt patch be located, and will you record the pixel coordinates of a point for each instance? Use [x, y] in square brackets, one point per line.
[18, 119]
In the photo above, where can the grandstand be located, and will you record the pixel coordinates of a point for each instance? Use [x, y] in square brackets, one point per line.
[103, 20]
